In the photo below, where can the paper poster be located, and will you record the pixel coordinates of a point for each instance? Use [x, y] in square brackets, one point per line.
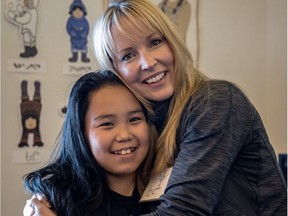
[185, 15]
[23, 14]
[78, 28]
[29, 156]
[30, 116]
[156, 186]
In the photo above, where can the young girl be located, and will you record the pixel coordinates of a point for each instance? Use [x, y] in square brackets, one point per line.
[102, 152]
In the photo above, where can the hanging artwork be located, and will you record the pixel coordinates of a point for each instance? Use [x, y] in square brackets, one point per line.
[78, 29]
[179, 12]
[30, 148]
[24, 15]
[30, 115]
[185, 15]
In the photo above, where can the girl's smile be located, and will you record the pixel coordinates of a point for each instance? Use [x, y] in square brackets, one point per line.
[117, 130]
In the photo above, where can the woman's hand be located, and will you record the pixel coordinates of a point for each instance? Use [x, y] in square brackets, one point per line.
[37, 206]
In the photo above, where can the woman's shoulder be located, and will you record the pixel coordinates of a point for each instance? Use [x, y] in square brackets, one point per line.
[214, 103]
[211, 90]
[218, 96]
[219, 90]
[220, 86]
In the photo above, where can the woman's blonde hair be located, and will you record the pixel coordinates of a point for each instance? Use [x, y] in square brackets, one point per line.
[144, 15]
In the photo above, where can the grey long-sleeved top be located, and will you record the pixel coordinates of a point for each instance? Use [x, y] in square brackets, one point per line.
[225, 164]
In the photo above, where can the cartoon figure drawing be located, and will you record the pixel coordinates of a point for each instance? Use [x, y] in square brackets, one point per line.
[78, 29]
[179, 12]
[24, 15]
[30, 112]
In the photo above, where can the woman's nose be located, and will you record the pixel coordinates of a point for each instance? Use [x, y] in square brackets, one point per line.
[147, 62]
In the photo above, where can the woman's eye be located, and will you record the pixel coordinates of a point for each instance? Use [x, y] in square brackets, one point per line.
[127, 57]
[155, 42]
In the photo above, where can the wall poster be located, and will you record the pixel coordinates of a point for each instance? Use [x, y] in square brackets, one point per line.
[24, 16]
[185, 15]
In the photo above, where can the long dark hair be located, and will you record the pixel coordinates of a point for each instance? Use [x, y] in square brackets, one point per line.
[73, 181]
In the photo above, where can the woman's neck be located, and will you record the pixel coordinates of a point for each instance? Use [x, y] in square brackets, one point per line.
[123, 185]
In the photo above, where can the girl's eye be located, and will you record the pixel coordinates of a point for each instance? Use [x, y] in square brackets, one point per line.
[106, 125]
[135, 119]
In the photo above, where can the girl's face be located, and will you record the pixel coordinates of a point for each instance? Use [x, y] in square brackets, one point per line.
[146, 63]
[116, 130]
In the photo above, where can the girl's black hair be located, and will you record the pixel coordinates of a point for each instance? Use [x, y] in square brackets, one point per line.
[73, 181]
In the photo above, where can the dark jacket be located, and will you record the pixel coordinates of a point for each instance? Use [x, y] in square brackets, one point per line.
[225, 164]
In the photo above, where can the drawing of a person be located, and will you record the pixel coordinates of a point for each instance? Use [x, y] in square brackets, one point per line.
[78, 29]
[179, 12]
[25, 16]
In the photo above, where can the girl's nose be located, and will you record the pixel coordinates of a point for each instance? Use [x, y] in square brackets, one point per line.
[123, 135]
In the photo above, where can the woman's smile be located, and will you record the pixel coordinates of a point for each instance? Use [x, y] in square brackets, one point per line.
[145, 63]
[155, 79]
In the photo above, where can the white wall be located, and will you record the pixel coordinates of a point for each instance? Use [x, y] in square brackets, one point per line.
[242, 41]
[276, 74]
[245, 42]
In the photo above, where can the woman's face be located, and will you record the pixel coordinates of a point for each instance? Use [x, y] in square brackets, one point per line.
[146, 63]
[116, 130]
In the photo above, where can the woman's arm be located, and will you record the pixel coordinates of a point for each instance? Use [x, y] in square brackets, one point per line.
[210, 140]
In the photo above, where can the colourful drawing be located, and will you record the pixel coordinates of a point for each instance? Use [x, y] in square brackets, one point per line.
[78, 29]
[23, 13]
[30, 112]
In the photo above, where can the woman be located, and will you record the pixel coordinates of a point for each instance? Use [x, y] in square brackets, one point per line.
[102, 153]
[223, 162]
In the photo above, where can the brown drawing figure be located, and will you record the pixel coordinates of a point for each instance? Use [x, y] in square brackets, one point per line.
[30, 112]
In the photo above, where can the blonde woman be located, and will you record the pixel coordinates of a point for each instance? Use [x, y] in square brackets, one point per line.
[223, 162]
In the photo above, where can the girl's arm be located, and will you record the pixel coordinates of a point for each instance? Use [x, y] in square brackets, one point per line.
[37, 205]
